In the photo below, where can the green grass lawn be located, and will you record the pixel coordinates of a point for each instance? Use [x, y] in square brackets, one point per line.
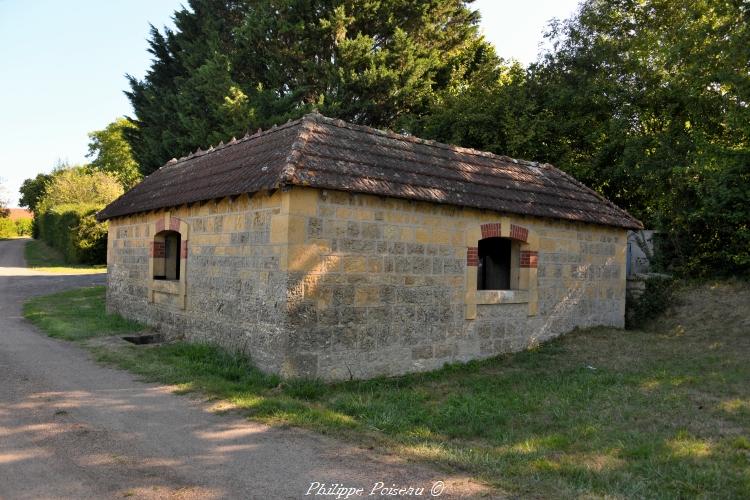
[76, 315]
[659, 413]
[42, 257]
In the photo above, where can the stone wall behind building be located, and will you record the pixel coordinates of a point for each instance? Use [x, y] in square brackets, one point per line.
[338, 285]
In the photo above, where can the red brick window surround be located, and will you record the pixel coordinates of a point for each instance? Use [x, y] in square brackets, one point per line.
[167, 263]
[472, 256]
[529, 258]
[498, 256]
[501, 267]
[519, 233]
[491, 230]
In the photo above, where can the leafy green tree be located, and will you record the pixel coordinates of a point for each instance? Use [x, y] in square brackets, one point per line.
[234, 65]
[648, 102]
[112, 154]
[77, 185]
[65, 215]
[645, 101]
[33, 190]
[493, 111]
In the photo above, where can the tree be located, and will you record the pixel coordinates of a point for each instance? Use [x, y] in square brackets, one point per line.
[493, 112]
[645, 101]
[65, 203]
[77, 185]
[234, 65]
[112, 154]
[33, 190]
[648, 102]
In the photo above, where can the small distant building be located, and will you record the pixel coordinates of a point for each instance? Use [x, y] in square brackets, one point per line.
[325, 249]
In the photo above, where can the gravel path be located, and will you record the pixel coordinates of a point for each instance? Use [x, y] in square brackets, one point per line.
[70, 428]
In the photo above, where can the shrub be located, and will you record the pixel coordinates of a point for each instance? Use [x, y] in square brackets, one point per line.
[92, 239]
[7, 228]
[23, 227]
[655, 298]
[12, 229]
[73, 230]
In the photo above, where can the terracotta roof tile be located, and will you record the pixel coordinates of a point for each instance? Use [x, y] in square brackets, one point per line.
[325, 153]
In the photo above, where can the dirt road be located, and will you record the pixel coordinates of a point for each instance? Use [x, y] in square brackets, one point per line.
[70, 428]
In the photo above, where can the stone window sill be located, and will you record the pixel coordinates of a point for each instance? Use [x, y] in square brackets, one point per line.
[502, 296]
[166, 286]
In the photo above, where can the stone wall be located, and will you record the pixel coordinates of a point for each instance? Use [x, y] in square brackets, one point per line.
[388, 286]
[338, 285]
[234, 290]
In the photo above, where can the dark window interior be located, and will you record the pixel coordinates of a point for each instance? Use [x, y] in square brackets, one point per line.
[494, 264]
[170, 270]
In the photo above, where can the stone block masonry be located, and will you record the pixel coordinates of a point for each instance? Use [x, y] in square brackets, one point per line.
[329, 284]
[235, 290]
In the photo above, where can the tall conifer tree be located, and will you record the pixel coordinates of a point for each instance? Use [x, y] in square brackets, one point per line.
[234, 65]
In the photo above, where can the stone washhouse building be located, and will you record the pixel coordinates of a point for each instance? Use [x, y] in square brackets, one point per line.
[325, 249]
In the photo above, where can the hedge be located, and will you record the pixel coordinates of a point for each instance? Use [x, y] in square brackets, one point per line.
[12, 229]
[73, 230]
[7, 228]
[23, 227]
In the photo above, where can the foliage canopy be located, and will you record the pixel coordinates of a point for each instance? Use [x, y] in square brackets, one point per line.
[78, 185]
[647, 102]
[33, 190]
[112, 154]
[65, 203]
[230, 66]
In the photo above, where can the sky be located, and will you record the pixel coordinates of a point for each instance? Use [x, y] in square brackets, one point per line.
[63, 67]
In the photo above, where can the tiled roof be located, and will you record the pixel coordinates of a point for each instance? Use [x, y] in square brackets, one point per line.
[325, 153]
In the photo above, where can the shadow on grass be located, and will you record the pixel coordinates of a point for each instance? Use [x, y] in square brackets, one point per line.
[545, 422]
[599, 412]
